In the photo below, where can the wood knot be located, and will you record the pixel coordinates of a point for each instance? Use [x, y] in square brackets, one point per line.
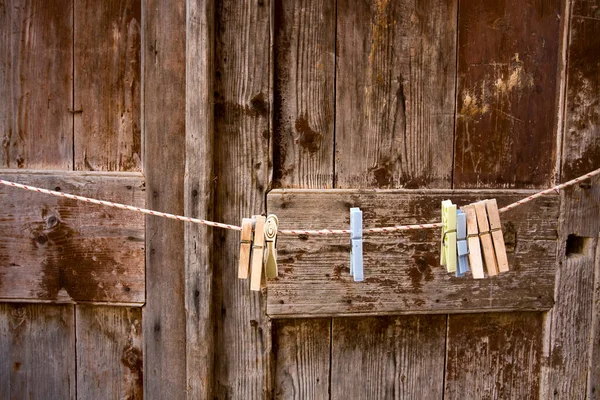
[51, 221]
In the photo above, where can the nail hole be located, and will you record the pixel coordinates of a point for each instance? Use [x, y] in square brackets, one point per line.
[576, 245]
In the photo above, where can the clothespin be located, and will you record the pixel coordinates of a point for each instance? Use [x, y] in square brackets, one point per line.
[498, 238]
[245, 247]
[475, 260]
[257, 252]
[461, 243]
[486, 238]
[448, 250]
[356, 252]
[271, 253]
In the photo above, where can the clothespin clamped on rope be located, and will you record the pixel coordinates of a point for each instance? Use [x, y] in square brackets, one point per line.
[486, 239]
[356, 252]
[498, 238]
[475, 260]
[257, 252]
[461, 243]
[245, 248]
[448, 248]
[271, 227]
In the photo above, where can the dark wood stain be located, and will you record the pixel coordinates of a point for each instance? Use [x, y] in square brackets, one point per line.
[308, 139]
[133, 360]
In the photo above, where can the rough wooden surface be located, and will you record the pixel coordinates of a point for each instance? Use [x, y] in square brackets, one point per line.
[402, 272]
[395, 93]
[388, 358]
[493, 356]
[242, 129]
[198, 196]
[65, 250]
[593, 382]
[304, 93]
[37, 345]
[164, 319]
[107, 85]
[36, 53]
[109, 352]
[506, 94]
[301, 349]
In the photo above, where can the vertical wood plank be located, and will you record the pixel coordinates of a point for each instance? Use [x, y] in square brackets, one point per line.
[164, 319]
[301, 350]
[507, 93]
[388, 357]
[395, 93]
[107, 86]
[593, 382]
[38, 342]
[199, 190]
[303, 133]
[242, 173]
[493, 356]
[109, 352]
[36, 128]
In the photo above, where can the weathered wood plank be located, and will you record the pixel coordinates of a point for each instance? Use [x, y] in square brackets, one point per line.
[507, 93]
[242, 172]
[303, 132]
[301, 350]
[593, 381]
[109, 352]
[64, 250]
[107, 85]
[164, 320]
[493, 356]
[199, 188]
[385, 358]
[36, 53]
[581, 140]
[572, 318]
[38, 348]
[395, 93]
[402, 272]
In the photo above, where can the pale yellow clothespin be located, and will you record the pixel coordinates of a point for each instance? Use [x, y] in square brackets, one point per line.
[498, 238]
[257, 252]
[486, 238]
[245, 248]
[448, 248]
[271, 227]
[475, 260]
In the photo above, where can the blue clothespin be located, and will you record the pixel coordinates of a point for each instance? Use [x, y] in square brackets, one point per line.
[461, 243]
[356, 253]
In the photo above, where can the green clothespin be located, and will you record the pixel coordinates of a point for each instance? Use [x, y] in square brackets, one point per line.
[448, 248]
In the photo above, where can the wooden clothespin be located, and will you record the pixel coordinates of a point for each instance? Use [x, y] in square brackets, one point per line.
[475, 260]
[257, 252]
[245, 247]
[448, 249]
[486, 239]
[498, 238]
[356, 252]
[461, 243]
[271, 227]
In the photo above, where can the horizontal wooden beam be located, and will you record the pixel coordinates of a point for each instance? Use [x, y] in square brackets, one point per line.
[402, 271]
[61, 250]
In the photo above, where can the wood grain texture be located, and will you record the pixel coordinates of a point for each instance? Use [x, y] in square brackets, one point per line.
[304, 92]
[109, 352]
[395, 93]
[36, 54]
[63, 250]
[198, 197]
[402, 272]
[388, 358]
[581, 140]
[242, 129]
[493, 356]
[107, 85]
[37, 342]
[506, 96]
[164, 318]
[571, 337]
[593, 381]
[301, 350]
